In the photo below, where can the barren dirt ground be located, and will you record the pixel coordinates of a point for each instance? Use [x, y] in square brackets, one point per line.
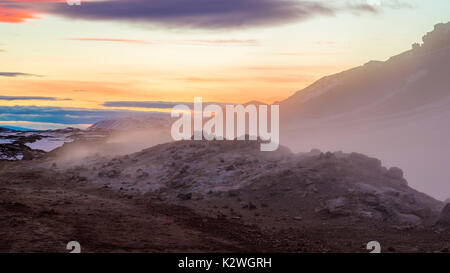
[42, 210]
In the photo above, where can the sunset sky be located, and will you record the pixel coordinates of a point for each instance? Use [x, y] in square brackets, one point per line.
[62, 64]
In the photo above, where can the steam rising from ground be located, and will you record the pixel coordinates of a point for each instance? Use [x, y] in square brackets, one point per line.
[116, 144]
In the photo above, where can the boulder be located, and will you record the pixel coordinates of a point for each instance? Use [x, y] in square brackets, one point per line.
[409, 219]
[336, 207]
[395, 173]
[335, 204]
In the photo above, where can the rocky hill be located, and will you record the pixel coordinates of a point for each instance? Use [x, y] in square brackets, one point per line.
[310, 186]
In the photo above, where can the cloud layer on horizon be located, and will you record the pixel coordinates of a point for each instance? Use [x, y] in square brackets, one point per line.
[151, 104]
[62, 115]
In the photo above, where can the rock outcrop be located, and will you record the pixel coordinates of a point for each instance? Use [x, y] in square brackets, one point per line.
[321, 185]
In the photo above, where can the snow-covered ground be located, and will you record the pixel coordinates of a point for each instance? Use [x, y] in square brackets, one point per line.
[13, 144]
[48, 144]
[6, 141]
[11, 158]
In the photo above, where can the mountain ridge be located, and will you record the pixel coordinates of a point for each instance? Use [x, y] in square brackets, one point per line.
[396, 110]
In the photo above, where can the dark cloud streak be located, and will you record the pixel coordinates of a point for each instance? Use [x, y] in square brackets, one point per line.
[144, 104]
[151, 104]
[13, 98]
[17, 74]
[200, 14]
[203, 14]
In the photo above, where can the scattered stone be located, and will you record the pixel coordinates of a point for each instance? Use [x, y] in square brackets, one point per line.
[185, 197]
[249, 206]
[335, 204]
[142, 174]
[113, 174]
[230, 168]
[81, 179]
[234, 193]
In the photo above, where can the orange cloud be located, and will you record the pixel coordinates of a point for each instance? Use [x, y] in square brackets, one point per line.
[8, 15]
[109, 40]
[11, 12]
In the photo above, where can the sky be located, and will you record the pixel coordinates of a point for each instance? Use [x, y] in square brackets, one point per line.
[74, 65]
